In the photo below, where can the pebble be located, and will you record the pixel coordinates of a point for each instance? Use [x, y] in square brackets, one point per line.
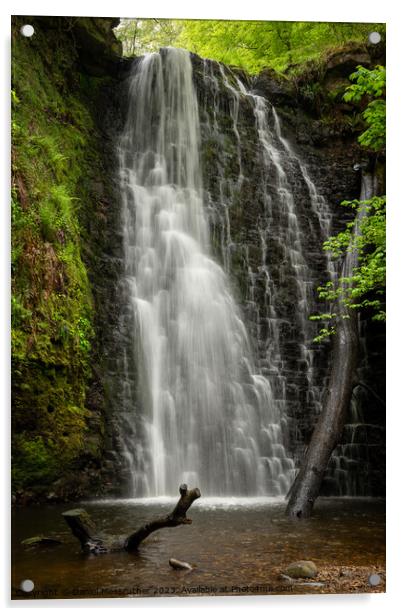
[179, 564]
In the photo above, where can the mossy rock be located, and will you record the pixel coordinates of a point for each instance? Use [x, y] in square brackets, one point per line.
[56, 157]
[301, 569]
[40, 540]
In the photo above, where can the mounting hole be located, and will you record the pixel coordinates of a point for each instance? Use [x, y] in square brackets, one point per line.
[27, 30]
[27, 585]
[374, 37]
[374, 579]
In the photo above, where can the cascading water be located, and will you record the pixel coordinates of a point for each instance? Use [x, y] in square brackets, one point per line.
[291, 362]
[279, 296]
[205, 402]
[206, 415]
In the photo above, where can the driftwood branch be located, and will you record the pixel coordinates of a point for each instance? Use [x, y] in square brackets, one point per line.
[93, 542]
[83, 528]
[80, 523]
[177, 517]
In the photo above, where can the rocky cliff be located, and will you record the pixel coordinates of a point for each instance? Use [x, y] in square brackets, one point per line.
[69, 84]
[65, 82]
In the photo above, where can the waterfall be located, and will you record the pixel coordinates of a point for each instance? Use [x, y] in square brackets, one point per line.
[204, 412]
[279, 291]
[283, 182]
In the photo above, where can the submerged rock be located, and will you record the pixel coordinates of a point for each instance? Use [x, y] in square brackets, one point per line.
[40, 540]
[301, 569]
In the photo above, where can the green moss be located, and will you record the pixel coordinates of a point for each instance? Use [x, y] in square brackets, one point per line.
[52, 306]
[34, 462]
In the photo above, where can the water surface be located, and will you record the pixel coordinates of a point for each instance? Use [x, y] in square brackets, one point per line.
[238, 546]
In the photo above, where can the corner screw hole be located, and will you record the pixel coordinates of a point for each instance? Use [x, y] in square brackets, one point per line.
[374, 579]
[27, 585]
[27, 30]
[374, 38]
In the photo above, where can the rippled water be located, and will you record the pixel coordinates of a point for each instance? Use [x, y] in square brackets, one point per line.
[237, 545]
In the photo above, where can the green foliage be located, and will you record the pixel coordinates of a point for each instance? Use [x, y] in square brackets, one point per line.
[365, 236]
[366, 287]
[19, 313]
[34, 462]
[84, 332]
[51, 310]
[57, 215]
[370, 84]
[374, 136]
[252, 45]
[14, 103]
[141, 36]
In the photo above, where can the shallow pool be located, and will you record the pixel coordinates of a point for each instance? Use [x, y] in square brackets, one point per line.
[237, 546]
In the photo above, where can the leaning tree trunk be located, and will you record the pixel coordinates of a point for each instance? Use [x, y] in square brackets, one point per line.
[329, 427]
[328, 430]
[93, 542]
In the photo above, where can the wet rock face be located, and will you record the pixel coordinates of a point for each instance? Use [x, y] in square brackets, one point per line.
[279, 90]
[247, 237]
[329, 149]
[99, 51]
[248, 231]
[55, 432]
[250, 235]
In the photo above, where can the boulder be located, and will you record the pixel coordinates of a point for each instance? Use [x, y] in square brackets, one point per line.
[301, 569]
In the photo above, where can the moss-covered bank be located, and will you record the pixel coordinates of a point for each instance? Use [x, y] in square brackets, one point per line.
[56, 159]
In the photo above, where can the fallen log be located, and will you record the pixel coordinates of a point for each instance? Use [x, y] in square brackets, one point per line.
[94, 542]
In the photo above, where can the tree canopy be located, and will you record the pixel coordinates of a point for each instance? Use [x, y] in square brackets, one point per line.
[252, 45]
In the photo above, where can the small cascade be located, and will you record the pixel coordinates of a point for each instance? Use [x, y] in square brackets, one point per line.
[278, 292]
[275, 175]
[323, 215]
[205, 414]
[228, 187]
[348, 469]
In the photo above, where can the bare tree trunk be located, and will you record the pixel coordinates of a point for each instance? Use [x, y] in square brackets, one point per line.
[329, 427]
[92, 542]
